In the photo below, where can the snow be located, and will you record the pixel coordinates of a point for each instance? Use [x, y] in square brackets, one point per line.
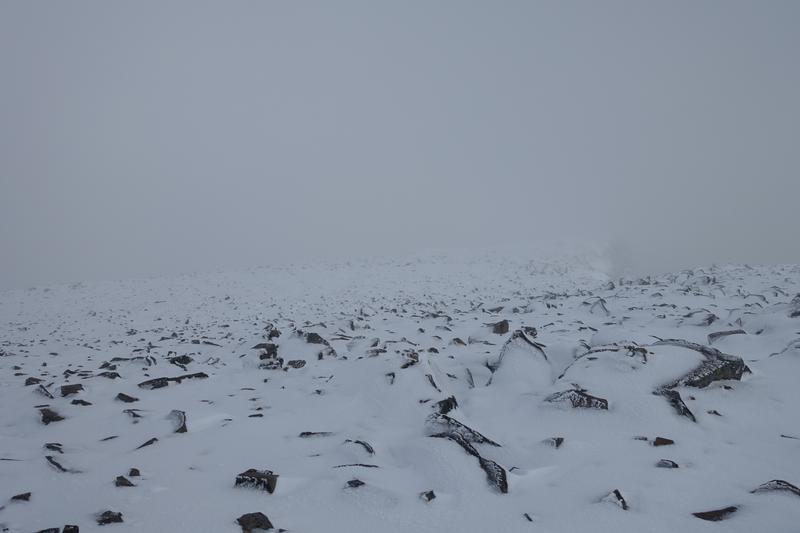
[585, 329]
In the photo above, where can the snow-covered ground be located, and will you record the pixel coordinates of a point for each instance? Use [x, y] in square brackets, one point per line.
[404, 375]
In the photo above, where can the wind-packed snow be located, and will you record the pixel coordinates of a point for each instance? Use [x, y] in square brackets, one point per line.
[402, 374]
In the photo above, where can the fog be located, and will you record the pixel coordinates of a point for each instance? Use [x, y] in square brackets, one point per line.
[145, 138]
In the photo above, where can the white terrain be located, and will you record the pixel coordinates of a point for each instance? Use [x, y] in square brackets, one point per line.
[457, 392]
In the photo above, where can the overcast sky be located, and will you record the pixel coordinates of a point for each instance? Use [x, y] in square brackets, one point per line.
[140, 138]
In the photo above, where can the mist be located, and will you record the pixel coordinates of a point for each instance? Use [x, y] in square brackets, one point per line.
[148, 138]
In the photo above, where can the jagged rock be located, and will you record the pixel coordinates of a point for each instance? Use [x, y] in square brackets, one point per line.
[109, 375]
[524, 335]
[122, 481]
[178, 418]
[78, 401]
[75, 388]
[776, 485]
[794, 307]
[445, 423]
[309, 434]
[555, 442]
[495, 474]
[577, 398]
[457, 342]
[24, 497]
[257, 479]
[254, 521]
[49, 530]
[54, 446]
[133, 413]
[272, 364]
[125, 398]
[296, 363]
[675, 400]
[134, 472]
[367, 446]
[70, 529]
[615, 497]
[666, 463]
[48, 416]
[355, 483]
[32, 381]
[717, 514]
[41, 389]
[720, 334]
[316, 338]
[662, 441]
[109, 517]
[722, 368]
[500, 328]
[446, 405]
[148, 443]
[428, 495]
[269, 350]
[58, 466]
[158, 383]
[181, 361]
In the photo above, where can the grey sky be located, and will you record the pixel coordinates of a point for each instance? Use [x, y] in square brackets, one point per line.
[166, 136]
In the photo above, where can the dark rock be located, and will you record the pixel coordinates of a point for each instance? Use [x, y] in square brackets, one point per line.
[125, 398]
[296, 363]
[355, 483]
[367, 446]
[134, 472]
[122, 481]
[41, 389]
[148, 443]
[54, 446]
[70, 529]
[309, 434]
[272, 364]
[446, 405]
[75, 388]
[720, 334]
[48, 416]
[495, 474]
[254, 521]
[666, 463]
[109, 375]
[555, 442]
[717, 514]
[615, 496]
[662, 441]
[58, 466]
[500, 328]
[133, 413]
[24, 497]
[428, 495]
[32, 381]
[109, 517]
[181, 360]
[257, 479]
[776, 485]
[49, 530]
[675, 400]
[578, 399]
[158, 383]
[449, 424]
[178, 418]
[78, 401]
[269, 350]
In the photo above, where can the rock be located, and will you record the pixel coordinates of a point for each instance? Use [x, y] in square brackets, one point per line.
[178, 419]
[555, 442]
[495, 474]
[257, 479]
[48, 416]
[125, 398]
[254, 521]
[41, 389]
[428, 495]
[54, 446]
[446, 405]
[666, 463]
[122, 481]
[615, 496]
[109, 375]
[269, 350]
[24, 497]
[158, 383]
[578, 398]
[67, 390]
[49, 530]
[776, 485]
[367, 446]
[717, 514]
[78, 401]
[181, 360]
[134, 472]
[447, 424]
[70, 529]
[355, 483]
[662, 441]
[296, 363]
[32, 381]
[500, 328]
[675, 400]
[148, 443]
[720, 334]
[108, 517]
[309, 434]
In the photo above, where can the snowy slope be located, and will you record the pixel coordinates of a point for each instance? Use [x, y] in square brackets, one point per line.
[410, 368]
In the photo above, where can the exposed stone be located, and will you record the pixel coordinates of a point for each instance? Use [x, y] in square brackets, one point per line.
[48, 416]
[776, 485]
[717, 514]
[662, 441]
[134, 472]
[615, 496]
[67, 390]
[428, 495]
[178, 419]
[122, 481]
[500, 328]
[125, 398]
[158, 383]
[148, 443]
[254, 521]
[666, 463]
[296, 363]
[109, 517]
[355, 483]
[257, 479]
[24, 497]
[675, 400]
[447, 405]
[578, 398]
